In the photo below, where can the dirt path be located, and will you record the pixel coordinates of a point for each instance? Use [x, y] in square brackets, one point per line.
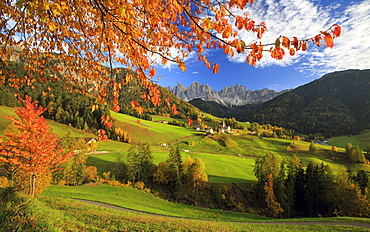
[366, 226]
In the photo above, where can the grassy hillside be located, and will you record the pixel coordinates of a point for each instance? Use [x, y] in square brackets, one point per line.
[58, 214]
[362, 140]
[151, 132]
[4, 122]
[63, 214]
[223, 165]
[57, 128]
[134, 199]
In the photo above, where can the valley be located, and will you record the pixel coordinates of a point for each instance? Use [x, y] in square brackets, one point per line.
[227, 170]
[228, 162]
[92, 140]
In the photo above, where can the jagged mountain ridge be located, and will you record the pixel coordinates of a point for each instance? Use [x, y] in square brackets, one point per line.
[236, 95]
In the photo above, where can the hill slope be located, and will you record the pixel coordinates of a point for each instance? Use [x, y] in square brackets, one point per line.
[222, 111]
[336, 104]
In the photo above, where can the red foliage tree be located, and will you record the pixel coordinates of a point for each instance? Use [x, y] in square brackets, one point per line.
[31, 149]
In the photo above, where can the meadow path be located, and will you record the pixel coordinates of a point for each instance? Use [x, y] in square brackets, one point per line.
[366, 226]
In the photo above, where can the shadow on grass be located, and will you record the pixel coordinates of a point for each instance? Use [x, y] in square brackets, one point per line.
[222, 179]
[104, 165]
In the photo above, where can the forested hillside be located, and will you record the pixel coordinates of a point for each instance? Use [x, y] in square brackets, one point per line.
[336, 104]
[237, 112]
[70, 107]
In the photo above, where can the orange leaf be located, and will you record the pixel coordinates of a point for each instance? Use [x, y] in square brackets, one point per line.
[329, 40]
[152, 72]
[116, 108]
[216, 68]
[318, 40]
[337, 30]
[286, 42]
[304, 46]
[182, 67]
[295, 43]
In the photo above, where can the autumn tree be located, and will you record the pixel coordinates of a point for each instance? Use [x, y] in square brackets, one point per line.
[194, 176]
[91, 173]
[265, 166]
[170, 172]
[273, 208]
[32, 150]
[72, 39]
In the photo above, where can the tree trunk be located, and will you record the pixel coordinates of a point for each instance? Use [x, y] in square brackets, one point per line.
[32, 184]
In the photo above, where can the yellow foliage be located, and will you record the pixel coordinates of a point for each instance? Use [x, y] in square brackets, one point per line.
[3, 182]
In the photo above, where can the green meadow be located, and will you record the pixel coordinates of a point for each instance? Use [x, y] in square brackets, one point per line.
[57, 211]
[362, 140]
[229, 158]
[57, 214]
[137, 200]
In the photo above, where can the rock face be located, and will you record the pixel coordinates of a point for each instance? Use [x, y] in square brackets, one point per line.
[236, 95]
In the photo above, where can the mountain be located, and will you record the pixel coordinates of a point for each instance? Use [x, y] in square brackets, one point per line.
[236, 95]
[336, 104]
[222, 111]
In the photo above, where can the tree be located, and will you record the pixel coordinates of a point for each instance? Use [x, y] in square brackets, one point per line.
[312, 148]
[273, 208]
[269, 164]
[82, 35]
[175, 161]
[358, 155]
[91, 173]
[140, 163]
[362, 180]
[194, 176]
[32, 150]
[349, 150]
[73, 171]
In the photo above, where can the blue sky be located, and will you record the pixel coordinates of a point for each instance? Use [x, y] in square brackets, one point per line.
[301, 18]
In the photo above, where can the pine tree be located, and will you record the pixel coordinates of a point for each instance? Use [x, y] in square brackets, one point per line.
[312, 148]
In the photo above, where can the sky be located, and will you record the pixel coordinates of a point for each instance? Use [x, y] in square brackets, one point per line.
[300, 18]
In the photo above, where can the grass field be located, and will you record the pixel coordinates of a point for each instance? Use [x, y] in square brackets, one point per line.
[56, 215]
[362, 140]
[223, 165]
[220, 155]
[151, 132]
[4, 122]
[57, 128]
[134, 199]
[56, 212]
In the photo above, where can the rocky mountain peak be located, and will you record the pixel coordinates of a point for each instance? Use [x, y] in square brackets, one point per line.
[235, 95]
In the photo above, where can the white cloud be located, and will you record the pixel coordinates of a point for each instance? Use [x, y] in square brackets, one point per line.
[304, 19]
[195, 73]
[351, 50]
[300, 18]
